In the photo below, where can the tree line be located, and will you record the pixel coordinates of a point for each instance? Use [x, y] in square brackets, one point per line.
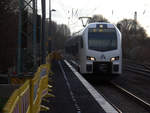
[135, 41]
[59, 34]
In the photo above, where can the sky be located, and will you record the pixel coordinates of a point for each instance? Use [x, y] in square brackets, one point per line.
[68, 11]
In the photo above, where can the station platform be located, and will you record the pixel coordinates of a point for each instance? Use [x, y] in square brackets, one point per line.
[73, 94]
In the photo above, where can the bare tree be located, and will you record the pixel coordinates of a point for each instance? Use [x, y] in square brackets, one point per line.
[59, 35]
[133, 36]
[98, 18]
[8, 6]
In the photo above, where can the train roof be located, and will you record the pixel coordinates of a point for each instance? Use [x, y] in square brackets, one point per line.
[95, 25]
[100, 24]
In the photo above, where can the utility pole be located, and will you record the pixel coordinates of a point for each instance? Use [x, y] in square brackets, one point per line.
[49, 36]
[50, 28]
[43, 32]
[135, 21]
[34, 34]
[19, 55]
[26, 6]
[135, 16]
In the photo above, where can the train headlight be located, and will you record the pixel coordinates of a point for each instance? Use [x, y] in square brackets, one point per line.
[91, 58]
[114, 58]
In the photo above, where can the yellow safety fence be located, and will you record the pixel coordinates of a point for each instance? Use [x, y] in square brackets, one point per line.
[19, 102]
[27, 99]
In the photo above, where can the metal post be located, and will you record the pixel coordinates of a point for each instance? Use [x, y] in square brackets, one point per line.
[50, 46]
[135, 20]
[43, 32]
[26, 7]
[19, 56]
[49, 36]
[34, 33]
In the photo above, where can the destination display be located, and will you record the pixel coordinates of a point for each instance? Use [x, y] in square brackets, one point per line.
[101, 30]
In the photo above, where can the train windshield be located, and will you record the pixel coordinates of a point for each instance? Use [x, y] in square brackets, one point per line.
[102, 39]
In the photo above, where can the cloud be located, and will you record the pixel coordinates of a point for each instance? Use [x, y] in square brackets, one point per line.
[121, 9]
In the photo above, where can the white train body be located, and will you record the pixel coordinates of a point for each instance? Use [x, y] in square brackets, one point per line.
[96, 49]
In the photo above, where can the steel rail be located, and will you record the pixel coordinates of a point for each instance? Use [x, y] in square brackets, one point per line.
[144, 103]
[138, 70]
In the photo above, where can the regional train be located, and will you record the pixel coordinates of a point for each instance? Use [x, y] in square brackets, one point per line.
[96, 49]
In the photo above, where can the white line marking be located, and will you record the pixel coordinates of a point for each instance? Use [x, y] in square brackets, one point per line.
[108, 108]
[71, 93]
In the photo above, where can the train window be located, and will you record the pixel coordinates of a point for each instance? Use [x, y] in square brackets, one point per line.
[102, 41]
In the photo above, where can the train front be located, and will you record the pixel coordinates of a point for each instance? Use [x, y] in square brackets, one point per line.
[103, 49]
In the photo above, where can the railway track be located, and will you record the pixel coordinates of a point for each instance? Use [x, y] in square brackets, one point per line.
[126, 101]
[147, 66]
[137, 70]
[137, 64]
[100, 100]
[123, 100]
[132, 66]
[141, 101]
